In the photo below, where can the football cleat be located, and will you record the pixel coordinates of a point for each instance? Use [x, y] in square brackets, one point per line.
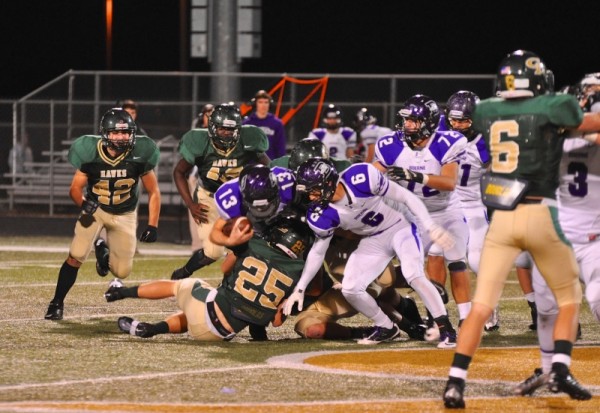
[135, 328]
[532, 383]
[361, 332]
[381, 334]
[453, 394]
[447, 339]
[493, 323]
[180, 274]
[566, 383]
[55, 312]
[114, 285]
[432, 333]
[114, 291]
[102, 253]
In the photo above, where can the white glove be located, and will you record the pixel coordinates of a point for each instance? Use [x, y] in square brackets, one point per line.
[296, 297]
[337, 286]
[441, 237]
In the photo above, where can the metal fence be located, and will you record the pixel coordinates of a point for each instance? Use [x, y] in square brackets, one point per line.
[71, 105]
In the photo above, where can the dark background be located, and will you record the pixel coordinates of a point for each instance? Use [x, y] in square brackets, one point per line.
[41, 39]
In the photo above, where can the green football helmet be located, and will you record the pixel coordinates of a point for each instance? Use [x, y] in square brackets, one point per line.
[117, 120]
[224, 127]
[306, 149]
[523, 74]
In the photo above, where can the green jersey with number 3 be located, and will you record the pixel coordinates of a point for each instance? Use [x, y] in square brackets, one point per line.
[524, 139]
[216, 167]
[113, 182]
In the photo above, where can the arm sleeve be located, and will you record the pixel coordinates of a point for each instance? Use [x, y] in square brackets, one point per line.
[315, 259]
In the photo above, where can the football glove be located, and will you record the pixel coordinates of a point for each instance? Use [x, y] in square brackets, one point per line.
[89, 206]
[441, 237]
[150, 234]
[296, 297]
[396, 173]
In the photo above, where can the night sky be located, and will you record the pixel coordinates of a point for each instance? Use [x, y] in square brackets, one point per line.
[41, 39]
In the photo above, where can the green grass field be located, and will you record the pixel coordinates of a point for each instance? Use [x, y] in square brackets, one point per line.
[84, 363]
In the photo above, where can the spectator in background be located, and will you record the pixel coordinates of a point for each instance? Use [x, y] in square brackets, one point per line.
[199, 122]
[271, 125]
[20, 155]
[131, 107]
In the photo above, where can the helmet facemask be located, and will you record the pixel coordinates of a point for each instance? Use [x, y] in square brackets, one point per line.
[118, 120]
[224, 126]
[316, 182]
[260, 193]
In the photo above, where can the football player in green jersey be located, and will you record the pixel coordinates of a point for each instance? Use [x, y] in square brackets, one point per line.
[220, 152]
[106, 187]
[264, 273]
[522, 130]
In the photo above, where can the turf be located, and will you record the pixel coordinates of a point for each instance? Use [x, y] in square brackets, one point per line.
[85, 363]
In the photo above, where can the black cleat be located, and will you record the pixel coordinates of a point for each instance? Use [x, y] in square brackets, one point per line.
[55, 312]
[361, 332]
[453, 394]
[135, 328]
[566, 383]
[102, 253]
[381, 334]
[114, 291]
[532, 383]
[180, 274]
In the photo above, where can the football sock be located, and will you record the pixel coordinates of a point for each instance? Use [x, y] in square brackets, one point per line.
[66, 278]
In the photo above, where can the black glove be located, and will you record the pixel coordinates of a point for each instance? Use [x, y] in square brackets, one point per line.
[396, 173]
[89, 206]
[150, 234]
[86, 217]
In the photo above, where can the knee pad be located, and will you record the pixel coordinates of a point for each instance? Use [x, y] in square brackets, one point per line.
[457, 266]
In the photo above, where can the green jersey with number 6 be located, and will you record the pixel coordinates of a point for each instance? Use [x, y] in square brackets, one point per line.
[215, 166]
[113, 182]
[524, 139]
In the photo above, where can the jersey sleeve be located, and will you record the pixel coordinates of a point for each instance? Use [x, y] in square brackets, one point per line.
[146, 150]
[286, 181]
[364, 180]
[388, 148]
[253, 139]
[193, 143]
[322, 221]
[565, 111]
[449, 147]
[228, 198]
[283, 161]
[83, 150]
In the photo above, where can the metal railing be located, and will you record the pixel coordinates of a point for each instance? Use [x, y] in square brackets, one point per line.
[71, 105]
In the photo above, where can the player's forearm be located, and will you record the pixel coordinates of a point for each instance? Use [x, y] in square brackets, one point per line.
[441, 182]
[153, 208]
[314, 260]
[414, 204]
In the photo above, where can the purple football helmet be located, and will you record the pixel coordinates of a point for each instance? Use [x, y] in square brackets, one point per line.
[421, 109]
[460, 106]
[316, 175]
[260, 192]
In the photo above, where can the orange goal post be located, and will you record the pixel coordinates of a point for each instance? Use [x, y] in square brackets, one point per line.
[319, 86]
